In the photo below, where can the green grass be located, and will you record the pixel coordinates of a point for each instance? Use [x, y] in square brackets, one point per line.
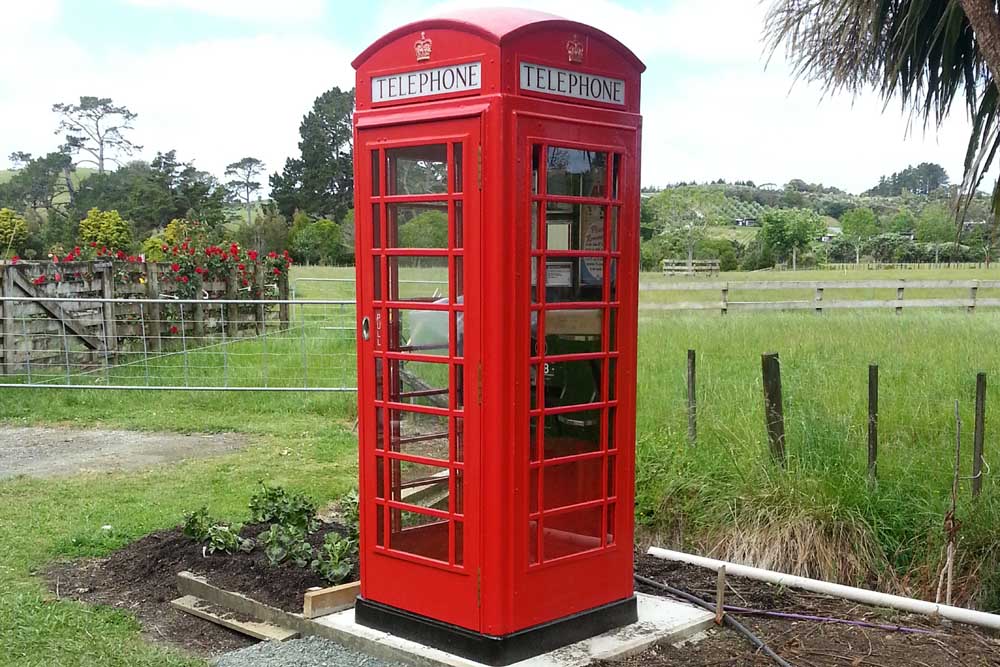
[723, 494]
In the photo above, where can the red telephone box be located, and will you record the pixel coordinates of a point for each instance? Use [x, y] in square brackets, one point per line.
[497, 226]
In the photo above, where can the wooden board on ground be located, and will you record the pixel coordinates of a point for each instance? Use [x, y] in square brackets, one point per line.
[323, 601]
[202, 609]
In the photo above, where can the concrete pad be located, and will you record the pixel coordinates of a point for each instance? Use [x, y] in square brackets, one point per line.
[661, 621]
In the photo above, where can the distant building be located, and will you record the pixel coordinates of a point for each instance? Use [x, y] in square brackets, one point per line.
[746, 222]
[831, 234]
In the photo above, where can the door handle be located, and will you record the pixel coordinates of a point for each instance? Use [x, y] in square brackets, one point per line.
[366, 329]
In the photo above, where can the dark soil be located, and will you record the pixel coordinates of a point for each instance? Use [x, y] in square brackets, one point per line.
[809, 643]
[141, 578]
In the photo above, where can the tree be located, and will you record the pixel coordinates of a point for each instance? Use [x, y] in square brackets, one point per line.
[858, 226]
[321, 180]
[684, 212]
[268, 233]
[13, 232]
[924, 53]
[787, 231]
[425, 230]
[106, 229]
[935, 226]
[319, 242]
[242, 181]
[97, 127]
[923, 179]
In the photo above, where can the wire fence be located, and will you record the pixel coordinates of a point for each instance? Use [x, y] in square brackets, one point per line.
[179, 344]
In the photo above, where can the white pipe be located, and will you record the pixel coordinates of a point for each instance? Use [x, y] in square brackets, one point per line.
[864, 596]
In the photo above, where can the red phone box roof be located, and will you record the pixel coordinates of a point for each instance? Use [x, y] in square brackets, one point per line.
[502, 50]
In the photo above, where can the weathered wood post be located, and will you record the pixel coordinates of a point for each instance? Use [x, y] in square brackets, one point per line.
[284, 309]
[978, 436]
[692, 405]
[154, 326]
[773, 408]
[973, 291]
[232, 308]
[818, 298]
[9, 351]
[872, 423]
[899, 297]
[107, 273]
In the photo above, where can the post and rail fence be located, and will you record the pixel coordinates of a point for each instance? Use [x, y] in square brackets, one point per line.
[820, 300]
[683, 267]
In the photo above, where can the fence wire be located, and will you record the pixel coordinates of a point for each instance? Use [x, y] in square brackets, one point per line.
[182, 344]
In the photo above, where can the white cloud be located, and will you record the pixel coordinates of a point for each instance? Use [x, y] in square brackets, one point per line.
[255, 10]
[18, 16]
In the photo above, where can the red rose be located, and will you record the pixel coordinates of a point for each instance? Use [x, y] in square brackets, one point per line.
[93, 244]
[245, 282]
[39, 280]
[252, 254]
[241, 267]
[199, 270]
[175, 267]
[234, 250]
[163, 248]
[58, 277]
[15, 259]
[277, 271]
[173, 329]
[184, 279]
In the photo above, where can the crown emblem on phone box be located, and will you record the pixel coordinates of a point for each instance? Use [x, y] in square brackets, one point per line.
[423, 47]
[574, 49]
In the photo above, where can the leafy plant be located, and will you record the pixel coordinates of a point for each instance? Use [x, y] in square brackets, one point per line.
[276, 505]
[349, 513]
[286, 543]
[197, 524]
[335, 559]
[227, 539]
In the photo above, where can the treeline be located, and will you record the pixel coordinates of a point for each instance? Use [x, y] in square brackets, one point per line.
[45, 198]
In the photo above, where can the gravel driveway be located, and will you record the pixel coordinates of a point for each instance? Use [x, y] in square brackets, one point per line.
[60, 451]
[307, 652]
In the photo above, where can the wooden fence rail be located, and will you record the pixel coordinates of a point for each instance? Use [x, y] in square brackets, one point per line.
[820, 301]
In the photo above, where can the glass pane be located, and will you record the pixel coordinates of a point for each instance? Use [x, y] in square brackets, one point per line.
[535, 208]
[379, 428]
[420, 225]
[616, 170]
[415, 278]
[571, 382]
[419, 383]
[575, 532]
[375, 179]
[459, 426]
[533, 440]
[568, 279]
[378, 389]
[376, 226]
[615, 244]
[420, 331]
[611, 525]
[419, 434]
[572, 433]
[612, 379]
[536, 152]
[417, 170]
[612, 490]
[420, 485]
[377, 278]
[612, 429]
[534, 283]
[459, 491]
[613, 330]
[575, 226]
[573, 172]
[419, 534]
[458, 167]
[458, 371]
[459, 279]
[533, 490]
[459, 229]
[573, 331]
[459, 543]
[380, 525]
[613, 287]
[379, 478]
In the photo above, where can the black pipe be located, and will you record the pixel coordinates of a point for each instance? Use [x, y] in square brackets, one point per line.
[726, 618]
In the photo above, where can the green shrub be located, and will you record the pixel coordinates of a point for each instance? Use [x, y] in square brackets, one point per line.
[197, 524]
[349, 513]
[335, 559]
[273, 504]
[227, 539]
[286, 543]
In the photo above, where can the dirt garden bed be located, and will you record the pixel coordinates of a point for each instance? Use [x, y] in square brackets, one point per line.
[142, 578]
[810, 643]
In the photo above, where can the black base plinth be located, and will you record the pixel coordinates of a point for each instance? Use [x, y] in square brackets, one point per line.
[489, 649]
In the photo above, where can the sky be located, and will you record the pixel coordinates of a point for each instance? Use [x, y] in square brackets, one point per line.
[218, 80]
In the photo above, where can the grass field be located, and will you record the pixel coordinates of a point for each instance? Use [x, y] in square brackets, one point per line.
[722, 495]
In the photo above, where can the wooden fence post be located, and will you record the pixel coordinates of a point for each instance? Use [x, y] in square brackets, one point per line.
[232, 309]
[9, 351]
[692, 406]
[899, 297]
[725, 300]
[107, 274]
[773, 409]
[978, 436]
[260, 314]
[283, 309]
[819, 299]
[972, 296]
[154, 327]
[872, 423]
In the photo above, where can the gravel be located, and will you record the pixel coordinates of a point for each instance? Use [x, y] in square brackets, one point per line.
[307, 652]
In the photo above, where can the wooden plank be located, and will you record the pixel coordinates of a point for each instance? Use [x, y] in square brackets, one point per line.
[191, 584]
[110, 333]
[202, 609]
[978, 435]
[323, 601]
[6, 289]
[774, 416]
[55, 310]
